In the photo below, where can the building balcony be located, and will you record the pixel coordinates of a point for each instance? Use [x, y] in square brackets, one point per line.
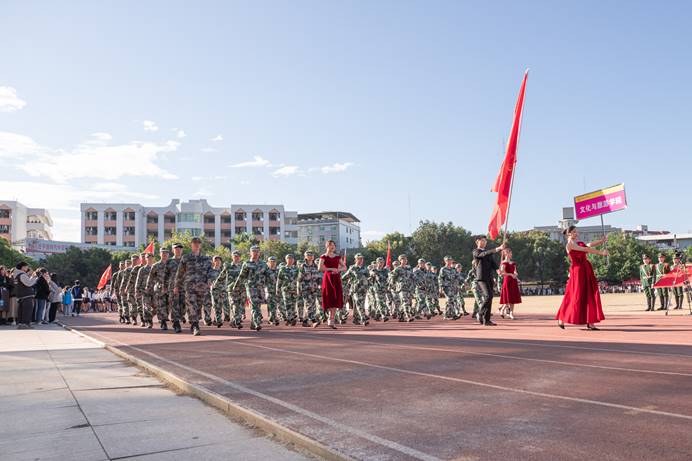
[257, 223]
[126, 238]
[239, 222]
[152, 226]
[169, 226]
[274, 238]
[209, 225]
[128, 223]
[89, 239]
[275, 223]
[226, 225]
[87, 223]
[109, 238]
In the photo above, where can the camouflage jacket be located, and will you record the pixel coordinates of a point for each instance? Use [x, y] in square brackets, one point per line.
[141, 282]
[378, 278]
[309, 277]
[157, 278]
[115, 282]
[193, 270]
[131, 281]
[447, 278]
[471, 277]
[401, 279]
[227, 278]
[253, 274]
[287, 280]
[433, 284]
[420, 278]
[170, 273]
[122, 283]
[356, 278]
[217, 289]
[272, 278]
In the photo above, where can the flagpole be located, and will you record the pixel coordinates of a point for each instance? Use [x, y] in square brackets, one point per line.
[514, 166]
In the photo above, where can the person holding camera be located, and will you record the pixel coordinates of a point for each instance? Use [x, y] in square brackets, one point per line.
[42, 292]
[24, 292]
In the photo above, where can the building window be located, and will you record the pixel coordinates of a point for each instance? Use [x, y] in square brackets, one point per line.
[189, 217]
[274, 231]
[321, 238]
[89, 215]
[92, 230]
[257, 216]
[129, 230]
[127, 215]
[256, 230]
[291, 234]
[291, 221]
[226, 233]
[225, 219]
[195, 232]
[4, 228]
[169, 219]
[152, 219]
[209, 234]
[209, 219]
[109, 230]
[240, 216]
[274, 216]
[239, 229]
[129, 244]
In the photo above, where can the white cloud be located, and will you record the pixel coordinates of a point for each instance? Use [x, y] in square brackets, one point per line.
[197, 178]
[203, 192]
[209, 149]
[150, 125]
[93, 158]
[9, 101]
[288, 170]
[101, 136]
[217, 138]
[180, 134]
[17, 145]
[335, 168]
[67, 229]
[371, 235]
[256, 162]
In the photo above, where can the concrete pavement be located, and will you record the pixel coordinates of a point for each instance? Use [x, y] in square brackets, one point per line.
[65, 397]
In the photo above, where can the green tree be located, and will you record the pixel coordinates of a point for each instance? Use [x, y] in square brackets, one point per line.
[433, 241]
[83, 265]
[185, 238]
[277, 249]
[624, 260]
[9, 257]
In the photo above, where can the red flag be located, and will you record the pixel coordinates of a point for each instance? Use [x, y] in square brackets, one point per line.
[503, 183]
[150, 248]
[389, 255]
[675, 278]
[105, 277]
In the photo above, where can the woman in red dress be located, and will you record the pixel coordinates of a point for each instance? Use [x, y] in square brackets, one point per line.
[582, 302]
[332, 293]
[509, 295]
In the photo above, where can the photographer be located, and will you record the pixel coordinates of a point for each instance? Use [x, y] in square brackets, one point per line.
[24, 292]
[55, 297]
[42, 291]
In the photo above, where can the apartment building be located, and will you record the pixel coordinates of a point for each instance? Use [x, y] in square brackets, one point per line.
[132, 224]
[19, 222]
[340, 226]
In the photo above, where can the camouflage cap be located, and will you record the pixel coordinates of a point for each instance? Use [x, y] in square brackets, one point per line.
[216, 257]
[290, 256]
[448, 258]
[177, 245]
[380, 259]
[271, 258]
[163, 250]
[255, 248]
[135, 256]
[308, 253]
[196, 240]
[646, 256]
[403, 257]
[358, 255]
[235, 253]
[661, 255]
[421, 260]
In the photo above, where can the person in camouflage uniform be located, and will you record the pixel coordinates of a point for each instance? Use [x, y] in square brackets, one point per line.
[115, 289]
[378, 281]
[156, 285]
[235, 294]
[193, 277]
[341, 315]
[433, 293]
[273, 302]
[421, 284]
[370, 298]
[392, 296]
[461, 281]
[129, 287]
[144, 296]
[356, 278]
[402, 280]
[308, 290]
[449, 286]
[121, 290]
[478, 299]
[217, 295]
[253, 275]
[176, 301]
[287, 286]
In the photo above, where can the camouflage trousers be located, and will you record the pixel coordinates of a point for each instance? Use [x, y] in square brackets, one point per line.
[195, 297]
[161, 306]
[451, 310]
[176, 304]
[461, 303]
[254, 295]
[380, 309]
[219, 303]
[274, 307]
[307, 305]
[406, 304]
[237, 305]
[121, 306]
[434, 301]
[478, 298]
[358, 298]
[394, 302]
[422, 307]
[290, 304]
[133, 306]
[148, 308]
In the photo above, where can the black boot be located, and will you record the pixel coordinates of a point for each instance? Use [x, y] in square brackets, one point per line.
[176, 327]
[164, 325]
[194, 327]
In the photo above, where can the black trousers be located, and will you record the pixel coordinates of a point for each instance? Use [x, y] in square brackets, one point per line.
[486, 291]
[52, 311]
[77, 307]
[25, 311]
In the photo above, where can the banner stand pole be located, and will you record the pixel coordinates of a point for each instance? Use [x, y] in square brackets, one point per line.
[605, 241]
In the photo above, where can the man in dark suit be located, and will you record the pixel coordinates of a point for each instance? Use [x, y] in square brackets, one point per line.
[486, 268]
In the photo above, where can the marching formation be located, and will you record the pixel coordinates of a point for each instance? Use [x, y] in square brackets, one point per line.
[194, 287]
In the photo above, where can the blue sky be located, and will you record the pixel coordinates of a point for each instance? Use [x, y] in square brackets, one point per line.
[349, 105]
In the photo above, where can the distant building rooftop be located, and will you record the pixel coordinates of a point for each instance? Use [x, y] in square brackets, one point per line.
[322, 215]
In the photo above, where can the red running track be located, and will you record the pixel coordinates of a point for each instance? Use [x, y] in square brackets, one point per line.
[524, 390]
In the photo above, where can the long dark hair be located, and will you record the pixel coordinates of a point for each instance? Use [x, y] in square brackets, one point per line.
[569, 230]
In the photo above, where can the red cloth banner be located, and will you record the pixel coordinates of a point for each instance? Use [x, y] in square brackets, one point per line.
[389, 255]
[675, 278]
[150, 248]
[105, 277]
[503, 183]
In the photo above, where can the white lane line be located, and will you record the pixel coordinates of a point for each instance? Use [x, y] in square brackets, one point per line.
[528, 359]
[412, 452]
[477, 383]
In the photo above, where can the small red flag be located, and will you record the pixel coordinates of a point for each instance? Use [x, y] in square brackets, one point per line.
[675, 278]
[105, 277]
[389, 255]
[150, 248]
[503, 183]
